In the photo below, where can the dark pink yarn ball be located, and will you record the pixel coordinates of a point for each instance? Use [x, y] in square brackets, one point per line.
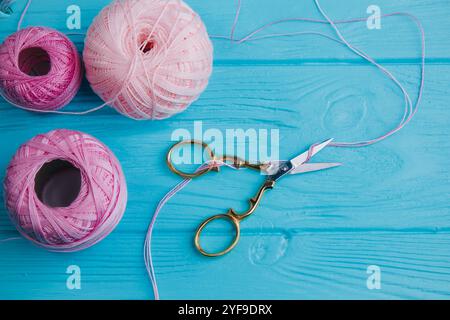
[40, 69]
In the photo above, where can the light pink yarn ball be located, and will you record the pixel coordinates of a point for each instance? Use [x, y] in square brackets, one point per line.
[40, 69]
[65, 190]
[151, 79]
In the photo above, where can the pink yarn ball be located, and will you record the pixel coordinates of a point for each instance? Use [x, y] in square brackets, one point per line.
[40, 69]
[65, 190]
[152, 79]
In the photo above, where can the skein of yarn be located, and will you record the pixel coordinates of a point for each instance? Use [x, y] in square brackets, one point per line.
[65, 190]
[40, 69]
[148, 59]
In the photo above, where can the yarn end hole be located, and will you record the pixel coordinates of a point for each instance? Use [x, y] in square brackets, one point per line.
[34, 61]
[149, 45]
[58, 183]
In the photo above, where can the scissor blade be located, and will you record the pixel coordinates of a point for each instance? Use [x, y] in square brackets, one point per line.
[311, 167]
[299, 160]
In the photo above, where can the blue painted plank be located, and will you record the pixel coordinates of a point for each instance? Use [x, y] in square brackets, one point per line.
[398, 37]
[297, 102]
[308, 265]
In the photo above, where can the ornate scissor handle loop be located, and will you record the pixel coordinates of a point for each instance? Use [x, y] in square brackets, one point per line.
[188, 175]
[235, 219]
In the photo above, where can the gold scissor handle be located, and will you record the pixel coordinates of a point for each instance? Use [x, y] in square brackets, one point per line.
[233, 160]
[198, 173]
[228, 216]
[235, 219]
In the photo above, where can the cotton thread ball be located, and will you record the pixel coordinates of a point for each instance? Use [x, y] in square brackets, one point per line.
[148, 59]
[40, 69]
[65, 190]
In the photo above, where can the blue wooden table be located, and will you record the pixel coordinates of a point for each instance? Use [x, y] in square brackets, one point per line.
[315, 236]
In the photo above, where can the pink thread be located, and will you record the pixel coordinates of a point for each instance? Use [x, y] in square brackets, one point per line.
[148, 59]
[40, 69]
[93, 210]
[22, 16]
[148, 238]
[409, 112]
[9, 239]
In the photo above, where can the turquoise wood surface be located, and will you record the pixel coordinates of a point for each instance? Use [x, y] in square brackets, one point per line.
[313, 236]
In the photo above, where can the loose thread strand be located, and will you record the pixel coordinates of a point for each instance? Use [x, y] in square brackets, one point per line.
[409, 111]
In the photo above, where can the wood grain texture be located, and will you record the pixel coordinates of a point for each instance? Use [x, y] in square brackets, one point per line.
[314, 235]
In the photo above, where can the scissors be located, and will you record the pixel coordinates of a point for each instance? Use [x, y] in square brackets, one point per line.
[273, 170]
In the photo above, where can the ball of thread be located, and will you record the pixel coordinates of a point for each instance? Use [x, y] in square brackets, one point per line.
[65, 190]
[148, 59]
[40, 69]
